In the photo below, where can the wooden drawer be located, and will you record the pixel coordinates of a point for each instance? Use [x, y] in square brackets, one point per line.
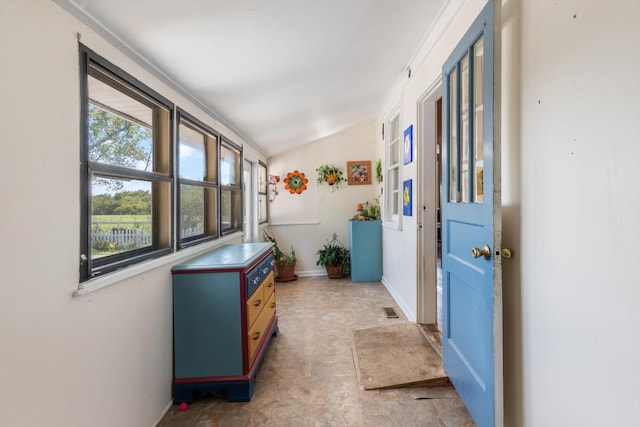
[258, 274]
[257, 331]
[258, 299]
[254, 305]
[269, 285]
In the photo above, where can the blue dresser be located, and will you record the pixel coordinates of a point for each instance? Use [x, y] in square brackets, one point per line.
[224, 315]
[365, 245]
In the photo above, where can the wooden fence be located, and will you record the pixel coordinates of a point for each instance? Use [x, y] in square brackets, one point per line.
[136, 235]
[129, 238]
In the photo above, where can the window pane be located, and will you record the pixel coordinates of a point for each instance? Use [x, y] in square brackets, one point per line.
[262, 208]
[453, 136]
[229, 166]
[121, 216]
[231, 208]
[464, 128]
[394, 149]
[262, 179]
[478, 102]
[395, 192]
[192, 218]
[192, 154]
[119, 128]
[395, 200]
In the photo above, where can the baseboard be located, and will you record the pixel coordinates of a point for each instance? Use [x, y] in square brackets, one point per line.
[406, 310]
[166, 409]
[311, 273]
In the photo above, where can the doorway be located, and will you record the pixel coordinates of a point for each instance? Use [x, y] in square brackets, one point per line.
[429, 236]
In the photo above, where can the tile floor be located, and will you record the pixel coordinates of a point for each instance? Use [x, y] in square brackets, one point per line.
[308, 377]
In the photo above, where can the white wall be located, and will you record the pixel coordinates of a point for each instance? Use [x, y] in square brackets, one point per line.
[576, 152]
[400, 245]
[308, 220]
[104, 359]
[570, 165]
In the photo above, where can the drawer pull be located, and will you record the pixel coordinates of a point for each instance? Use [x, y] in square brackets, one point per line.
[273, 305]
[270, 285]
[256, 335]
[258, 303]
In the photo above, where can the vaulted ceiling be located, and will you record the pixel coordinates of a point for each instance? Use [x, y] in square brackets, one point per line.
[279, 72]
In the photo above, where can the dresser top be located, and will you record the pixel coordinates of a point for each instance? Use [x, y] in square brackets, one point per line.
[236, 256]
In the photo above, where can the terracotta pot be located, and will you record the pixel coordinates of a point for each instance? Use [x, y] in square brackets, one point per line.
[286, 272]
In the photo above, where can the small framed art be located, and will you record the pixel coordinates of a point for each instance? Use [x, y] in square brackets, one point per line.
[359, 172]
[407, 198]
[408, 145]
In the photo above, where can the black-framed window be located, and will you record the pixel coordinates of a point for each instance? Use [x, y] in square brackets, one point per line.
[263, 184]
[198, 148]
[126, 169]
[230, 186]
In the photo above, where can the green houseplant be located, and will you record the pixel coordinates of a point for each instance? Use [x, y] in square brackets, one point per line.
[333, 256]
[285, 262]
[330, 174]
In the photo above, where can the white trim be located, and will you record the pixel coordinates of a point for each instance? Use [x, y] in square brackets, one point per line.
[426, 197]
[389, 219]
[285, 223]
[118, 276]
[410, 315]
[166, 409]
[432, 37]
[311, 273]
[72, 7]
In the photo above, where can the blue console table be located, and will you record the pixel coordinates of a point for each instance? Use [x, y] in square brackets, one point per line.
[224, 315]
[365, 245]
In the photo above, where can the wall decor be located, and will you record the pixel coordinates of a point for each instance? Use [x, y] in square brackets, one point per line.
[274, 180]
[330, 174]
[295, 182]
[408, 145]
[407, 198]
[379, 170]
[359, 172]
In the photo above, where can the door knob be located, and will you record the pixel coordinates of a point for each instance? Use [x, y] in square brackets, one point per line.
[485, 251]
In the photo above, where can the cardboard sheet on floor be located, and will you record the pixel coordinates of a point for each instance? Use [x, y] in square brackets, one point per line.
[395, 356]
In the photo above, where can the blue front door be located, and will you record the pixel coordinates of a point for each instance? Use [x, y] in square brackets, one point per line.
[472, 302]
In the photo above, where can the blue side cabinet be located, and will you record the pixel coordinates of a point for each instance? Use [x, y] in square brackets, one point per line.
[365, 245]
[224, 316]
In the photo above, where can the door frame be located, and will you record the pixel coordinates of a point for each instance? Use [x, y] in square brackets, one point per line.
[427, 253]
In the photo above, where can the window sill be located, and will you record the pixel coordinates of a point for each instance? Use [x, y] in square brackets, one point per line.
[392, 226]
[118, 276]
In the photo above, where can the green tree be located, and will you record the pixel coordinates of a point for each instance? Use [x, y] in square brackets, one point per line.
[122, 203]
[103, 204]
[191, 207]
[116, 140]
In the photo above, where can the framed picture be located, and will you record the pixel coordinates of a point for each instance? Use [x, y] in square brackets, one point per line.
[408, 145]
[359, 172]
[407, 198]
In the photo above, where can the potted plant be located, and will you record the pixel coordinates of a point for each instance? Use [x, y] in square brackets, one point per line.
[330, 174]
[285, 263]
[333, 256]
[379, 170]
[367, 212]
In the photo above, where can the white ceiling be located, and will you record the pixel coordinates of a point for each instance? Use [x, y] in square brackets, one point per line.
[280, 72]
